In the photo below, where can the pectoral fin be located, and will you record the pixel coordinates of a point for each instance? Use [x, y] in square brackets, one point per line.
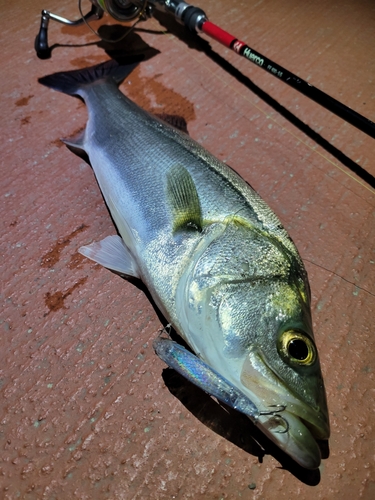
[111, 252]
[183, 198]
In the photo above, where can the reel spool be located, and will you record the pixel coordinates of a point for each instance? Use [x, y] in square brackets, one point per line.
[121, 10]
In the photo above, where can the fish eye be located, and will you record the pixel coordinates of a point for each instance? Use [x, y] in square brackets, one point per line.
[297, 347]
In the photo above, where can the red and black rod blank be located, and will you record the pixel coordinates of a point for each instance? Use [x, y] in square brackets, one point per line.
[195, 19]
[286, 76]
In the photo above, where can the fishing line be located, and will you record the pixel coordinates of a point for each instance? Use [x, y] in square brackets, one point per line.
[299, 139]
[312, 148]
[268, 116]
[339, 276]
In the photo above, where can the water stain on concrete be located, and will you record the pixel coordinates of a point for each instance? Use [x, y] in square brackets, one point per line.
[55, 301]
[77, 261]
[84, 62]
[58, 143]
[53, 255]
[24, 101]
[156, 98]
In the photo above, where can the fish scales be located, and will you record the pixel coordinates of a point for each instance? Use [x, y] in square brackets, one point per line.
[144, 148]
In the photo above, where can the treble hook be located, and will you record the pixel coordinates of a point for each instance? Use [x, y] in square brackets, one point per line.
[165, 330]
[275, 413]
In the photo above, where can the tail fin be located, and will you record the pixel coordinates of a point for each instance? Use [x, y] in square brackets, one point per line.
[70, 82]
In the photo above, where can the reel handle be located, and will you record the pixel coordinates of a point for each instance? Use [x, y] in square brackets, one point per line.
[43, 51]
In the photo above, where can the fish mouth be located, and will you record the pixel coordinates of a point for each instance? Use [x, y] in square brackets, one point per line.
[295, 426]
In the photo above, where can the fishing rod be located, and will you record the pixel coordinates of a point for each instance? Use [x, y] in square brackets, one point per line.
[195, 19]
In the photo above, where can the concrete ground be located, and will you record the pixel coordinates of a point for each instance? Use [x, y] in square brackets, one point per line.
[87, 409]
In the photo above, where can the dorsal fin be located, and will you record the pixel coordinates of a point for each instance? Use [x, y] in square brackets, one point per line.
[176, 121]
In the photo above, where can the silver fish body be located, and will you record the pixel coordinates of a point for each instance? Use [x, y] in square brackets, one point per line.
[215, 258]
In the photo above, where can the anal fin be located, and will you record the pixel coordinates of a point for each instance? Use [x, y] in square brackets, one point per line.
[111, 252]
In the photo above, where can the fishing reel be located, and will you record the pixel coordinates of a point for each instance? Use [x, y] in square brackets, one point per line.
[123, 11]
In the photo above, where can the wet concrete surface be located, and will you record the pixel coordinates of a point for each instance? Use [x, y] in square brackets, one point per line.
[87, 409]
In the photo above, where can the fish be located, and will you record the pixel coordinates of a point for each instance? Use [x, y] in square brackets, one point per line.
[215, 258]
